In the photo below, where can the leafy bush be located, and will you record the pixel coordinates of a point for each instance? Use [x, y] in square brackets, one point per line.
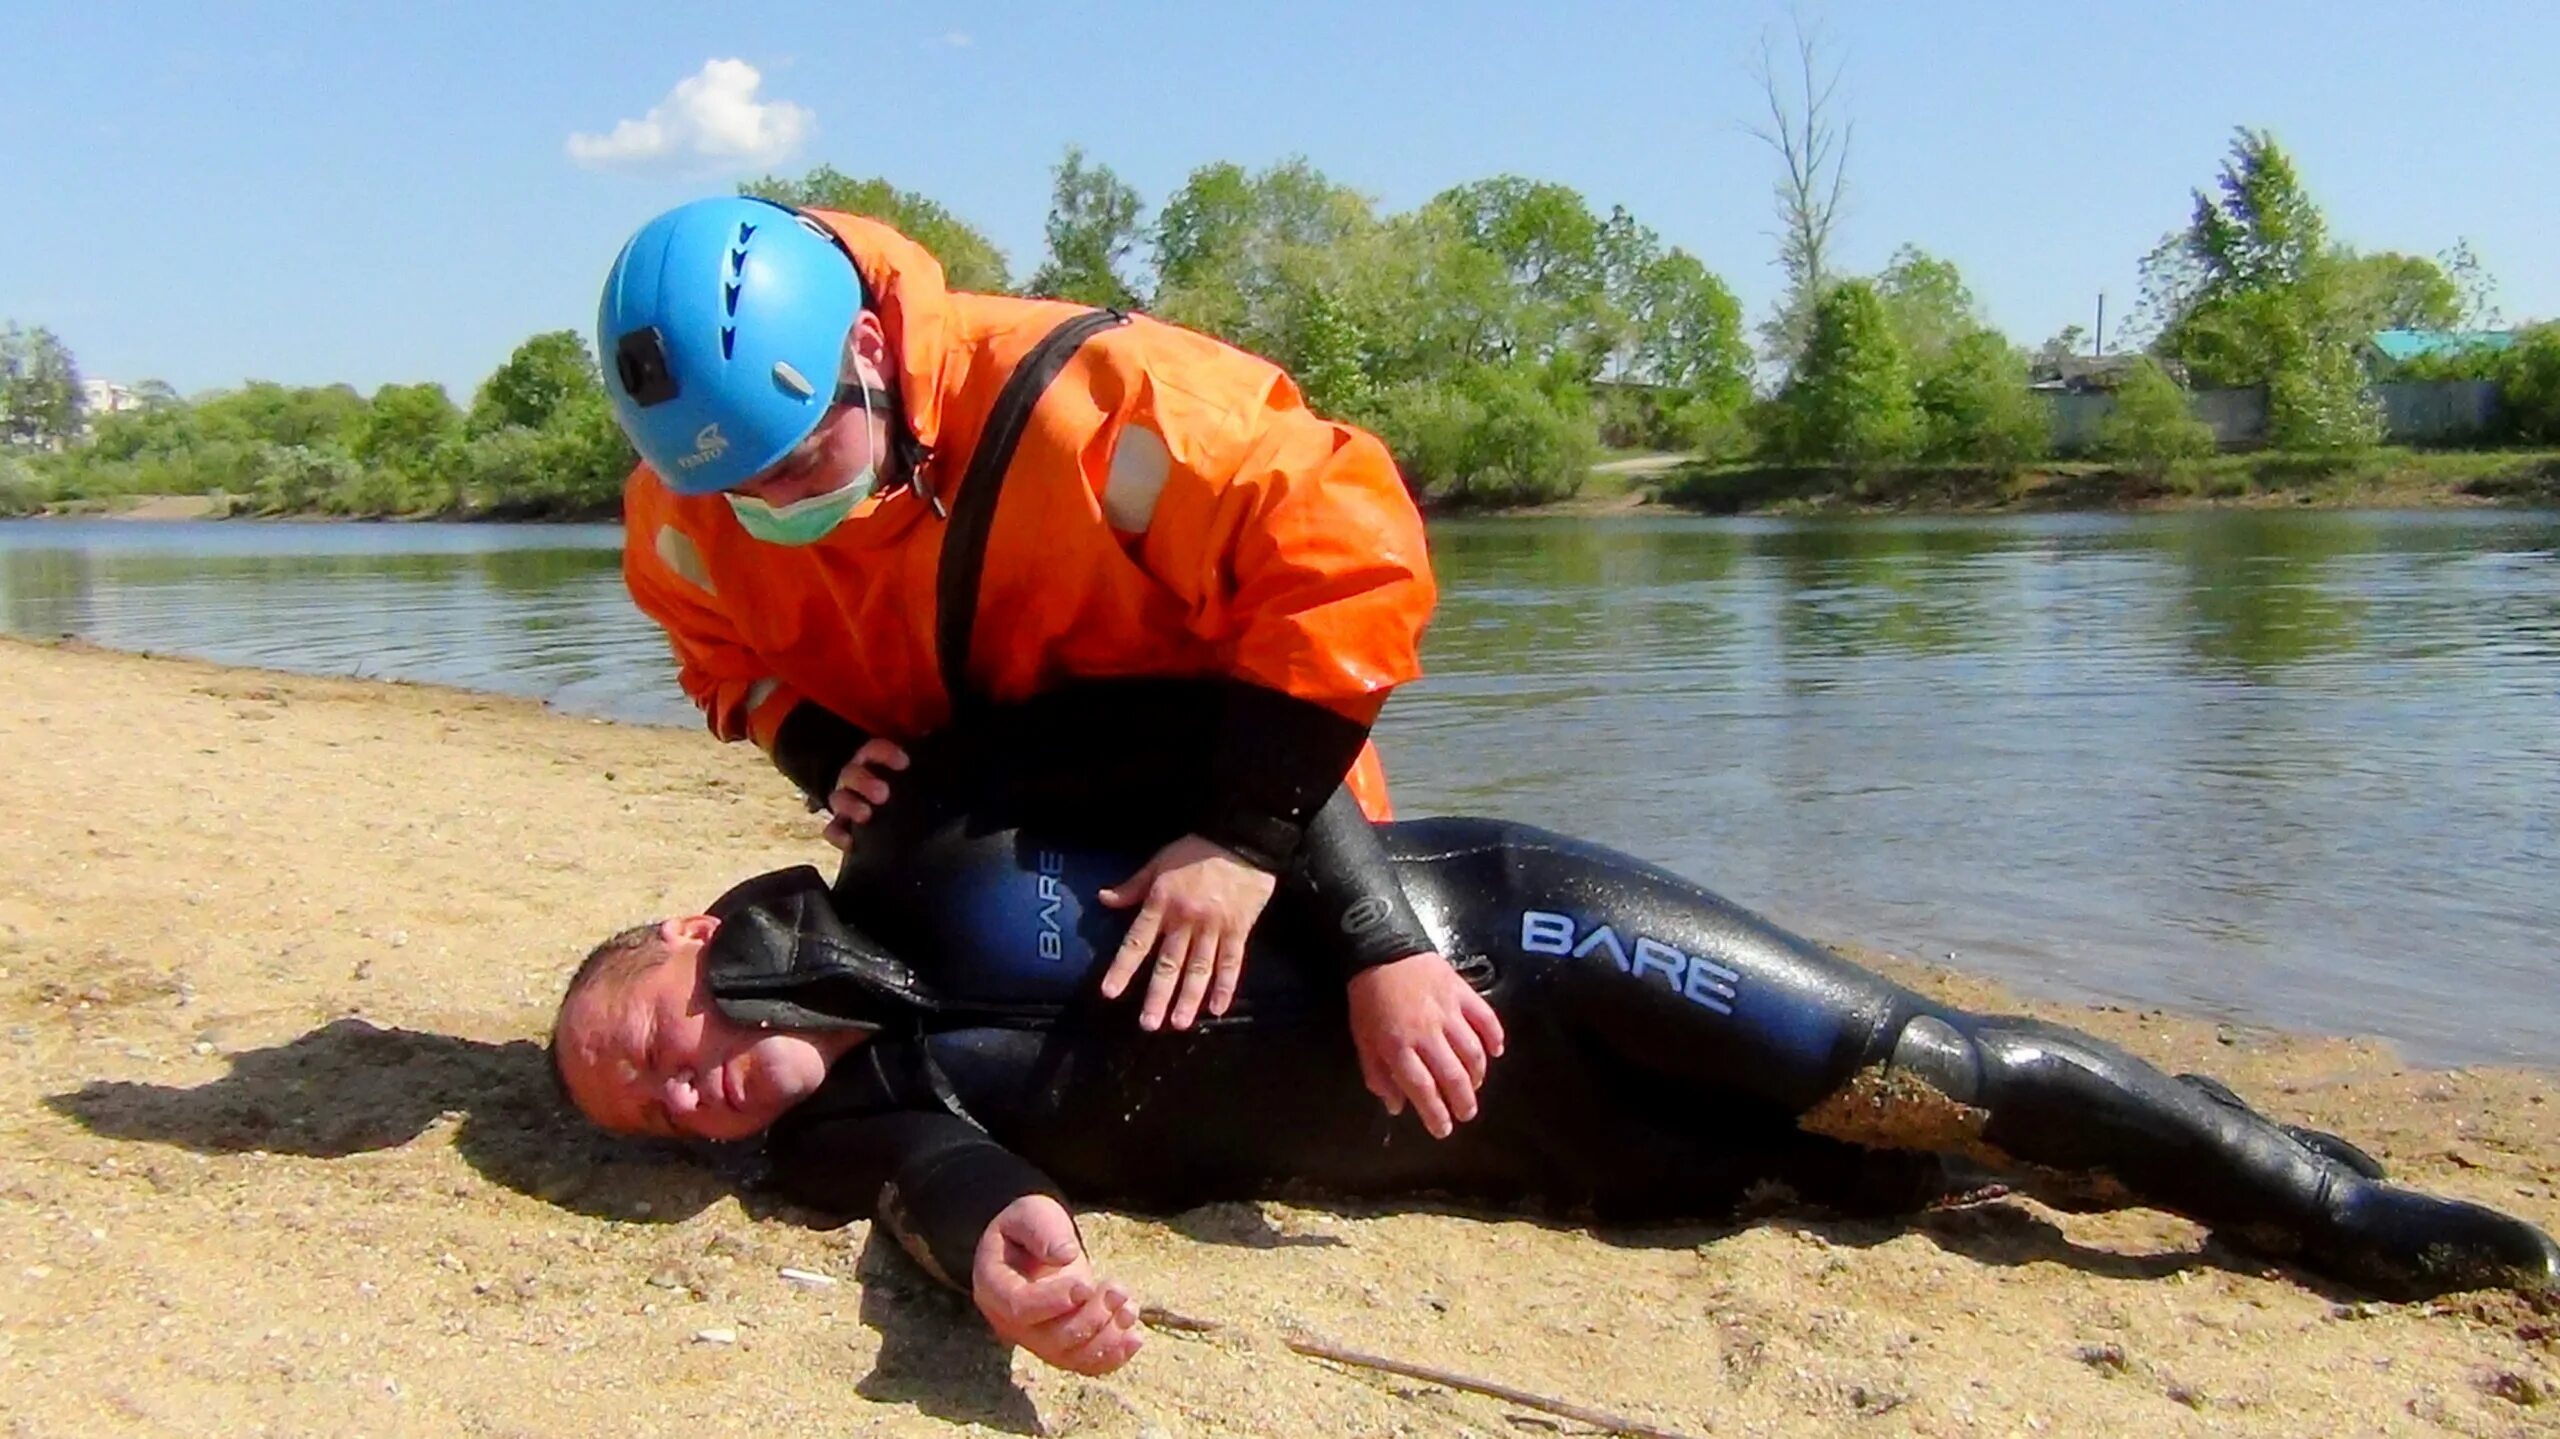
[289, 479]
[1707, 422]
[22, 491]
[2321, 403]
[2529, 381]
[1975, 406]
[2151, 427]
[1489, 435]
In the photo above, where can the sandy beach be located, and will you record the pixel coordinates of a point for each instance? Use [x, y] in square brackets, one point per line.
[277, 1156]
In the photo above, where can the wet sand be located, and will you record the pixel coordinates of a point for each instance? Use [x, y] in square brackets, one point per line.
[277, 1156]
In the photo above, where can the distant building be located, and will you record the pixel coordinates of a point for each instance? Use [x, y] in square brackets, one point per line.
[104, 397]
[2090, 374]
[2386, 350]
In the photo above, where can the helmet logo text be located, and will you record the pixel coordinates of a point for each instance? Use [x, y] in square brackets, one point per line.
[708, 445]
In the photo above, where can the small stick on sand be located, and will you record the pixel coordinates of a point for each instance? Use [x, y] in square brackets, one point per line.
[1599, 1419]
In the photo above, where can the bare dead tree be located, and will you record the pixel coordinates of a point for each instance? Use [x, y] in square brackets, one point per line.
[1812, 146]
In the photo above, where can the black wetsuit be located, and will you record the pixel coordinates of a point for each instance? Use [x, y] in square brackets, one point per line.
[1666, 1051]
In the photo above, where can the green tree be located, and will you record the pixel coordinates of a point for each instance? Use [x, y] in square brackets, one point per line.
[2266, 301]
[1975, 405]
[1202, 232]
[406, 421]
[544, 375]
[2151, 426]
[1928, 304]
[970, 261]
[407, 439]
[2391, 291]
[1093, 227]
[1549, 245]
[40, 401]
[1242, 257]
[264, 412]
[1849, 401]
[1682, 327]
[2472, 281]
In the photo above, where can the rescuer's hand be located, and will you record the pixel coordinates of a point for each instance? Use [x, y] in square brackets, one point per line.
[861, 787]
[1196, 904]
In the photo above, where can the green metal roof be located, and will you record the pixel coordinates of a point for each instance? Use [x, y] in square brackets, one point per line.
[2401, 345]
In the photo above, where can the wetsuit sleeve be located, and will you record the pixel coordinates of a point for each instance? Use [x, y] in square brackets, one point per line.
[935, 1180]
[662, 566]
[1358, 910]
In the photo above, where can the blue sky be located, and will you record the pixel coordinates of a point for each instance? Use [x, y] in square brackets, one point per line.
[207, 193]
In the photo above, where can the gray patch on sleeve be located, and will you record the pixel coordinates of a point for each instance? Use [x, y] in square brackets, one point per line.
[1140, 464]
[677, 551]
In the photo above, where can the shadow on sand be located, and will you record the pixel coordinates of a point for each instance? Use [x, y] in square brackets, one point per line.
[351, 1087]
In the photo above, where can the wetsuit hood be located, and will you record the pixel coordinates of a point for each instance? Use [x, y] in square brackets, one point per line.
[784, 958]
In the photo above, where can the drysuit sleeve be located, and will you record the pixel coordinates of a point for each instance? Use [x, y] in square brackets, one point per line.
[1298, 554]
[1354, 904]
[935, 1180]
[737, 692]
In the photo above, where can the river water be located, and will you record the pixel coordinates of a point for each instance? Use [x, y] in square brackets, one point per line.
[2296, 769]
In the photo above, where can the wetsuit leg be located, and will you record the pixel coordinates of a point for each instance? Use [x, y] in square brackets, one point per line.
[1691, 988]
[2046, 1095]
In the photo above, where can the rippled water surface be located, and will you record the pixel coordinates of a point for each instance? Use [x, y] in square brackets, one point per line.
[2288, 768]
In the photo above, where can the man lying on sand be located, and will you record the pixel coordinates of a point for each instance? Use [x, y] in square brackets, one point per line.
[920, 1045]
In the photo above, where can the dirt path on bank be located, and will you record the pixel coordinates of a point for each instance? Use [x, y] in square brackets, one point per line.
[277, 1156]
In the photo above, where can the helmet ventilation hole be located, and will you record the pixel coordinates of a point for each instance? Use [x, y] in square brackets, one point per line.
[728, 342]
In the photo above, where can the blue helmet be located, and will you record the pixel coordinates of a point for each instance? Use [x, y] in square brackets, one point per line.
[722, 332]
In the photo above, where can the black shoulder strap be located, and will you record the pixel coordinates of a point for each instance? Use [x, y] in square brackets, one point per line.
[973, 512]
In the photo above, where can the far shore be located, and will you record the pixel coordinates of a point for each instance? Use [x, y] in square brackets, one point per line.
[1657, 484]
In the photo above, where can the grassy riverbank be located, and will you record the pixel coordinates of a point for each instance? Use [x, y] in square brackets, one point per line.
[2379, 479]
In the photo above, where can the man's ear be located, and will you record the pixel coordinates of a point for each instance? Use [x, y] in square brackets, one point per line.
[696, 928]
[870, 343]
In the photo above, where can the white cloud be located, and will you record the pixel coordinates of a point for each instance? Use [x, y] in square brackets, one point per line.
[958, 39]
[711, 117]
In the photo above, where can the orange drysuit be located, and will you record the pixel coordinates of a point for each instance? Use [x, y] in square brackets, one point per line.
[1173, 509]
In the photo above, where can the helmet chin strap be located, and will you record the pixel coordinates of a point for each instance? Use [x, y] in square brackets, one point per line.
[903, 453]
[877, 401]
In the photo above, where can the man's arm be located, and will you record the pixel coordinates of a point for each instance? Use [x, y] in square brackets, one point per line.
[1299, 557]
[1296, 550]
[1423, 1034]
[935, 1180]
[739, 696]
[976, 1217]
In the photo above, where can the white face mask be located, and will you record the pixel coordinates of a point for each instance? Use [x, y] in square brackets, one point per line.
[811, 518]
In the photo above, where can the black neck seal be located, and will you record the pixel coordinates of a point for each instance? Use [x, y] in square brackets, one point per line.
[783, 958]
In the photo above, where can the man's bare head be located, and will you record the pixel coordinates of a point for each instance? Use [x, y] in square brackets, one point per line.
[640, 1047]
